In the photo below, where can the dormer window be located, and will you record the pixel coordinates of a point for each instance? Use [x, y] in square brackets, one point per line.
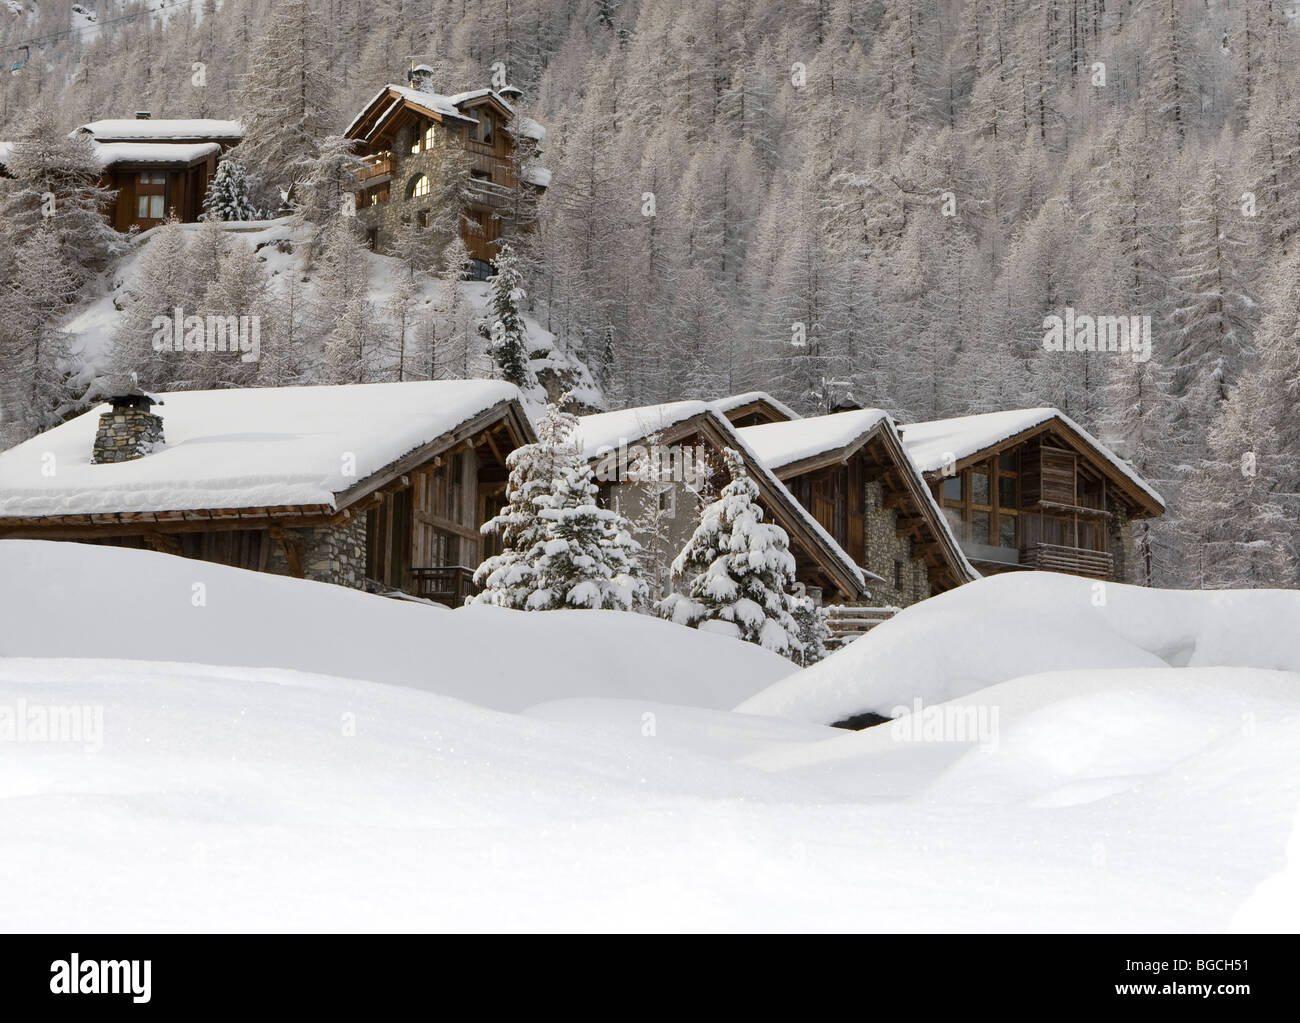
[480, 130]
[486, 120]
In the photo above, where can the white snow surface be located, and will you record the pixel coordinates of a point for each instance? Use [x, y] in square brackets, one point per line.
[222, 797]
[937, 443]
[110, 153]
[78, 600]
[725, 405]
[780, 444]
[242, 448]
[1014, 624]
[163, 129]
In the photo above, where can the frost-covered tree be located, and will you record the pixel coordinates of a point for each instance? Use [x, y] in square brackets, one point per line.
[287, 99]
[54, 183]
[229, 192]
[814, 630]
[508, 336]
[587, 557]
[510, 578]
[737, 570]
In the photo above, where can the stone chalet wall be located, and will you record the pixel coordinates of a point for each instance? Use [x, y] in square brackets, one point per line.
[386, 217]
[1123, 548]
[332, 554]
[884, 548]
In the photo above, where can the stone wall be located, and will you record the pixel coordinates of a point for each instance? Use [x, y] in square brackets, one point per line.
[884, 548]
[332, 554]
[1123, 547]
[125, 434]
[387, 218]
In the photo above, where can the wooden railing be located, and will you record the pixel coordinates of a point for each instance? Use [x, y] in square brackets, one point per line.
[487, 193]
[1050, 557]
[449, 584]
[375, 167]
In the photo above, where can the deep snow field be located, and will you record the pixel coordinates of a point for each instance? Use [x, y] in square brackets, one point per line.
[288, 755]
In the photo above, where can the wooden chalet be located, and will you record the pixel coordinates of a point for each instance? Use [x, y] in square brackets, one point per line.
[753, 409]
[159, 168]
[699, 432]
[852, 474]
[372, 486]
[1031, 489]
[397, 135]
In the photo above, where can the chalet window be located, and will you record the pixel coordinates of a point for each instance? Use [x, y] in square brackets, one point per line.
[668, 501]
[419, 186]
[486, 120]
[415, 140]
[428, 137]
[898, 575]
[423, 218]
[952, 488]
[151, 195]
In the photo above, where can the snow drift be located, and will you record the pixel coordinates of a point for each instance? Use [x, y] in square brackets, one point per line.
[1026, 623]
[80, 600]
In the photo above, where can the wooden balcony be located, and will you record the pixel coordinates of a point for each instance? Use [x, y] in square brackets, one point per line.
[1048, 557]
[376, 167]
[486, 193]
[448, 585]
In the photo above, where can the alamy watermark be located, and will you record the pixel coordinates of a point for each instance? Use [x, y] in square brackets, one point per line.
[1080, 332]
[181, 333]
[664, 463]
[39, 722]
[946, 722]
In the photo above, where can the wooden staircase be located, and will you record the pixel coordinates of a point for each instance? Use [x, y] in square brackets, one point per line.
[851, 621]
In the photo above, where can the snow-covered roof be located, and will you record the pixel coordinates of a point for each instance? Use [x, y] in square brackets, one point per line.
[110, 153]
[243, 448]
[605, 431]
[449, 107]
[734, 401]
[781, 444]
[539, 176]
[162, 129]
[942, 442]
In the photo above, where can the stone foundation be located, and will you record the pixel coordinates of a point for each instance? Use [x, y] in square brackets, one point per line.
[332, 554]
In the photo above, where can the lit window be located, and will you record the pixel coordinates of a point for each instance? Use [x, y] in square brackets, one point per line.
[419, 186]
[428, 138]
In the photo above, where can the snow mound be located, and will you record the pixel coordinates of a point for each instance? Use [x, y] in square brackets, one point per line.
[1026, 623]
[79, 600]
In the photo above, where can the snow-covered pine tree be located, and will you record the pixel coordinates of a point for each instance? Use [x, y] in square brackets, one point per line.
[737, 569]
[228, 195]
[163, 281]
[509, 579]
[343, 313]
[653, 498]
[587, 557]
[814, 630]
[508, 336]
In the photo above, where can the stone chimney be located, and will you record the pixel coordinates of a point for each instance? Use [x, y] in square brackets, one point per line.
[129, 430]
[510, 93]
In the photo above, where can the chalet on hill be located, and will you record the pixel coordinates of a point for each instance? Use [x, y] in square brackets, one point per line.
[1031, 489]
[852, 474]
[371, 486]
[159, 168]
[397, 135]
[694, 432]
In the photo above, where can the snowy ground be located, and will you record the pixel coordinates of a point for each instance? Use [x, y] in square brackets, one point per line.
[627, 796]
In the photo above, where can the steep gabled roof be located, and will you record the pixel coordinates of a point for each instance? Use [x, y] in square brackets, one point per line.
[801, 446]
[314, 449]
[391, 99]
[601, 436]
[171, 154]
[958, 442]
[738, 406]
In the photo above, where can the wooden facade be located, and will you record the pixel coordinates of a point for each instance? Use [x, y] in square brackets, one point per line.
[819, 566]
[398, 128]
[411, 527]
[1044, 499]
[148, 193]
[837, 485]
